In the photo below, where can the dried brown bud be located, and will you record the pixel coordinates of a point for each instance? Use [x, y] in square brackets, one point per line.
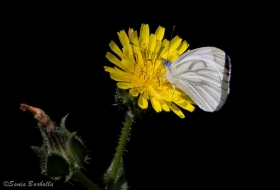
[40, 116]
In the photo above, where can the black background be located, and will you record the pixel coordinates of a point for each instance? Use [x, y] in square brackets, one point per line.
[54, 58]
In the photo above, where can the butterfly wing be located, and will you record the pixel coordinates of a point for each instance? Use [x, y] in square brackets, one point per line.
[204, 75]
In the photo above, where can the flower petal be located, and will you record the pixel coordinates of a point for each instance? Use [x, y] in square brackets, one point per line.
[142, 102]
[144, 35]
[186, 106]
[125, 85]
[160, 33]
[125, 42]
[134, 92]
[183, 47]
[187, 98]
[152, 43]
[156, 105]
[136, 49]
[164, 106]
[130, 65]
[122, 75]
[109, 69]
[115, 60]
[175, 42]
[117, 77]
[154, 93]
[115, 48]
[176, 110]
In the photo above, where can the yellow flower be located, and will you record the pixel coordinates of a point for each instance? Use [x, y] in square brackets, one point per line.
[140, 69]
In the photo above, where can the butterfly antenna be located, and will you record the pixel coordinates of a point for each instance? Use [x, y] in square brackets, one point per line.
[170, 42]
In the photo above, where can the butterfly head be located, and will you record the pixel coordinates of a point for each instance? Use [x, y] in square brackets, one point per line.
[169, 76]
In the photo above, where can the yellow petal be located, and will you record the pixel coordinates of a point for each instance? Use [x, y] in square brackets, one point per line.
[146, 95]
[125, 41]
[109, 69]
[187, 99]
[176, 110]
[118, 74]
[130, 65]
[159, 67]
[160, 33]
[175, 42]
[153, 92]
[173, 58]
[164, 106]
[125, 85]
[186, 106]
[156, 104]
[136, 48]
[134, 39]
[128, 55]
[113, 70]
[115, 60]
[115, 48]
[142, 102]
[183, 47]
[144, 35]
[117, 77]
[170, 55]
[163, 52]
[152, 43]
[134, 92]
[156, 50]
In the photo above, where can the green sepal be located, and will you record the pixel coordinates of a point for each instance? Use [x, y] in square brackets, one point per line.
[125, 100]
[42, 155]
[46, 142]
[120, 182]
[78, 149]
[63, 127]
[57, 166]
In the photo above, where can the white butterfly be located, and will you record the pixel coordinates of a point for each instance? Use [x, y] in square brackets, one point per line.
[204, 75]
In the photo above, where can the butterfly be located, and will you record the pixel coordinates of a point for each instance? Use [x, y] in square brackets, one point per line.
[204, 75]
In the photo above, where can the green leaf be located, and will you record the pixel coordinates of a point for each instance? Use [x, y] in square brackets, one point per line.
[120, 182]
[57, 166]
[78, 149]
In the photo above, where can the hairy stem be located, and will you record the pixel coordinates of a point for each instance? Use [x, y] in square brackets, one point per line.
[85, 181]
[120, 150]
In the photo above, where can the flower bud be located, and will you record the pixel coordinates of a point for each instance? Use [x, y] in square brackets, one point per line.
[62, 153]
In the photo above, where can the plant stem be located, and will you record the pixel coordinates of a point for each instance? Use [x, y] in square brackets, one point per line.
[120, 150]
[85, 181]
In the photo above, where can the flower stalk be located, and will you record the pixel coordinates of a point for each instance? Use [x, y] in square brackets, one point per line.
[120, 149]
[85, 181]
